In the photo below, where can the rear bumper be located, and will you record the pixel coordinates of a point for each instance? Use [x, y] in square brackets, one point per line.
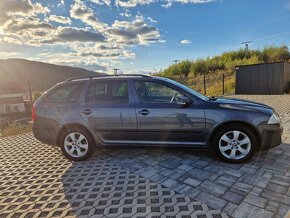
[45, 136]
[271, 136]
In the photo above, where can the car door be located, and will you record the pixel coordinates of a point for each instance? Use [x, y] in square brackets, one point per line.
[58, 107]
[162, 120]
[109, 111]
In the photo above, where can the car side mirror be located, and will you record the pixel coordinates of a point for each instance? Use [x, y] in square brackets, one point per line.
[184, 101]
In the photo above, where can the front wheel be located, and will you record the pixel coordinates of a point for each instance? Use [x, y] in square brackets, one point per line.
[77, 144]
[234, 144]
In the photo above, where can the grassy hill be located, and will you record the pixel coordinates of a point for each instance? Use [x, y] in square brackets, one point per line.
[191, 73]
[41, 75]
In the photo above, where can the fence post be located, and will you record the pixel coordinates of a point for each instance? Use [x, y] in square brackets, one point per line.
[204, 84]
[30, 92]
[223, 84]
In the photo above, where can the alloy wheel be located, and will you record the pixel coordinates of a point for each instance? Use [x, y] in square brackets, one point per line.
[235, 145]
[76, 144]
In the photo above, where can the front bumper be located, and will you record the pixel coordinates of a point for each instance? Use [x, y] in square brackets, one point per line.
[271, 135]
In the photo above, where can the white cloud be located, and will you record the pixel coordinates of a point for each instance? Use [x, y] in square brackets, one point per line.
[126, 14]
[80, 11]
[102, 2]
[5, 55]
[168, 3]
[76, 61]
[103, 51]
[133, 3]
[151, 20]
[73, 34]
[165, 3]
[61, 3]
[135, 32]
[39, 9]
[11, 8]
[95, 43]
[185, 41]
[60, 19]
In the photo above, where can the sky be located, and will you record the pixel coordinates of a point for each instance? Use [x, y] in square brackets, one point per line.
[137, 36]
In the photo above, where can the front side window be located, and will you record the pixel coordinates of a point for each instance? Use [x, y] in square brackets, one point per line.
[66, 93]
[107, 92]
[153, 92]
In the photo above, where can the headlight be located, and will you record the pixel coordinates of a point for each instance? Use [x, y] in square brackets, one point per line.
[274, 119]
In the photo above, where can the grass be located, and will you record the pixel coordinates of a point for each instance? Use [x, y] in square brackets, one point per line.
[15, 130]
[215, 89]
[214, 83]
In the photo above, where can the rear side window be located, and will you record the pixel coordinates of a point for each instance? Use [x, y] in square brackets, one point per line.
[97, 92]
[108, 92]
[65, 93]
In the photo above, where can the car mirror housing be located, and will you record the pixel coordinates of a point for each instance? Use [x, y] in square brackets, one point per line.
[184, 101]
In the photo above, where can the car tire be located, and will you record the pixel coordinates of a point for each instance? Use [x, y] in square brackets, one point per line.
[234, 143]
[77, 144]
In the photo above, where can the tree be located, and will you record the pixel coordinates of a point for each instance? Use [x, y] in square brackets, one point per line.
[227, 61]
[270, 54]
[199, 66]
[184, 68]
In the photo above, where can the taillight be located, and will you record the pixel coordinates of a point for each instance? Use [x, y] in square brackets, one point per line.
[33, 116]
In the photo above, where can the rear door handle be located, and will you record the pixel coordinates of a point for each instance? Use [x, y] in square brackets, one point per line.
[144, 112]
[86, 111]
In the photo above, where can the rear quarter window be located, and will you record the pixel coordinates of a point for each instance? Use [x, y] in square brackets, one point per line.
[65, 93]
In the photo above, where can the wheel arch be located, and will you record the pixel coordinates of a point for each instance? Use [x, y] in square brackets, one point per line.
[246, 124]
[72, 125]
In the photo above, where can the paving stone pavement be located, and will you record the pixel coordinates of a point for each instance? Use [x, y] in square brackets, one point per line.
[37, 181]
[258, 188]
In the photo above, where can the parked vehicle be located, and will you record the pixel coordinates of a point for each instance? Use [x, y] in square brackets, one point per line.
[81, 114]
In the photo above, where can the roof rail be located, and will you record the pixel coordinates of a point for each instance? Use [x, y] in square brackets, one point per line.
[81, 77]
[105, 75]
[142, 75]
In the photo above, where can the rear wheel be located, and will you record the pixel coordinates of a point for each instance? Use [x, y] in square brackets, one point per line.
[77, 144]
[234, 143]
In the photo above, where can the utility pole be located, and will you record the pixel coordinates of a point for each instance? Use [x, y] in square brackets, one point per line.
[247, 43]
[116, 71]
[30, 92]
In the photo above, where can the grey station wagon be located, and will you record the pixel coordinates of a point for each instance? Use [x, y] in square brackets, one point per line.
[81, 114]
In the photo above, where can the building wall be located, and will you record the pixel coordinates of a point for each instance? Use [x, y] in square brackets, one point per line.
[260, 79]
[12, 103]
[246, 78]
[12, 108]
[287, 77]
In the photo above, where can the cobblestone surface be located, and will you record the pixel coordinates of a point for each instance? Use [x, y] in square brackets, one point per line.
[37, 181]
[258, 188]
[144, 182]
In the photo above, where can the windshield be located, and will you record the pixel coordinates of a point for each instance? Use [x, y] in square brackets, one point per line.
[195, 93]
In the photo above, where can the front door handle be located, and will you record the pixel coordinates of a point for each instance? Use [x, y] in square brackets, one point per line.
[86, 111]
[144, 112]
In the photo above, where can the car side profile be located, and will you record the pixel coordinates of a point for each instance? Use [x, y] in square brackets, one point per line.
[82, 114]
